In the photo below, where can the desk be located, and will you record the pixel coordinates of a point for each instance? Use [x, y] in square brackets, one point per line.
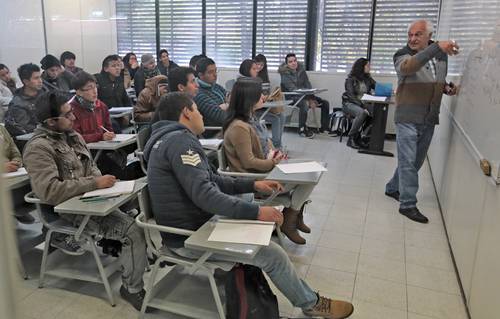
[301, 94]
[110, 145]
[16, 182]
[299, 178]
[117, 112]
[376, 145]
[199, 241]
[273, 104]
[24, 137]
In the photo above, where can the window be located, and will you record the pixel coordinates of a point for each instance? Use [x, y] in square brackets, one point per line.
[469, 23]
[181, 29]
[390, 33]
[229, 31]
[135, 26]
[344, 31]
[281, 29]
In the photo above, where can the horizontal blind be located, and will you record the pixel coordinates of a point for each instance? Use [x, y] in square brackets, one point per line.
[135, 26]
[229, 31]
[469, 23]
[390, 33]
[344, 33]
[181, 29]
[281, 29]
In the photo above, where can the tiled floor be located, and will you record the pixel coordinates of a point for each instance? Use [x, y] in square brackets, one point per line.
[360, 249]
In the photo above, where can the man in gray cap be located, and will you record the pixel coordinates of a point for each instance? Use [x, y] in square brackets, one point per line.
[147, 70]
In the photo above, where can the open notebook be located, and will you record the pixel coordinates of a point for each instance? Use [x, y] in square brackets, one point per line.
[20, 172]
[122, 137]
[120, 188]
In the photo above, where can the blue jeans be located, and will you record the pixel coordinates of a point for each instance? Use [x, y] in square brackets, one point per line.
[413, 141]
[275, 262]
[277, 125]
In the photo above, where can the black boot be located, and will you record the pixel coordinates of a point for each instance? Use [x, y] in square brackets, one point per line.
[351, 142]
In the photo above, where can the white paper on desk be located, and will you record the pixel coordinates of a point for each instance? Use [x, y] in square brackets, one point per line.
[211, 143]
[20, 172]
[305, 90]
[368, 97]
[251, 232]
[304, 167]
[120, 188]
[122, 137]
[120, 109]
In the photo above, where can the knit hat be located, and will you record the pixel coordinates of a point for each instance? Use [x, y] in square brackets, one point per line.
[49, 61]
[146, 58]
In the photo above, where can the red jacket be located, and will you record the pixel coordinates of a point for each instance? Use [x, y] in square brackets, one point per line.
[89, 123]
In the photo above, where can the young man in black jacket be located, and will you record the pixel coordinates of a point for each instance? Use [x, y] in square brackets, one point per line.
[186, 193]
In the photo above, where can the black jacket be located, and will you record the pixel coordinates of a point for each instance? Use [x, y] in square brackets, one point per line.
[185, 193]
[20, 117]
[352, 89]
[166, 71]
[112, 93]
[61, 83]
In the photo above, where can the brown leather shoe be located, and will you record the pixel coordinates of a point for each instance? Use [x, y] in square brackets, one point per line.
[331, 309]
[300, 220]
[289, 227]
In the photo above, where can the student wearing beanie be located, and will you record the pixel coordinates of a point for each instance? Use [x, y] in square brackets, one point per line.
[147, 70]
[54, 76]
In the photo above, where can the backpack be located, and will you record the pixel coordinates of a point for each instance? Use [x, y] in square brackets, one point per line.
[248, 295]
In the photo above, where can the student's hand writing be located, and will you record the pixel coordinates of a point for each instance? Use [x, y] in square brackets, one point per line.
[267, 187]
[105, 181]
[108, 136]
[11, 166]
[270, 214]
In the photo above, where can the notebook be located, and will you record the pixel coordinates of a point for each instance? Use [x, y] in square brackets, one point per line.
[120, 188]
[20, 172]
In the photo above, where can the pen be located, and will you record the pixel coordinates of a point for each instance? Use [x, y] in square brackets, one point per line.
[97, 198]
[105, 130]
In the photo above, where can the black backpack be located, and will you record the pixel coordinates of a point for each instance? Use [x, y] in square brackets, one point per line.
[248, 295]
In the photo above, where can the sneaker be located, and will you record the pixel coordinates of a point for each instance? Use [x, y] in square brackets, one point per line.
[394, 195]
[414, 214]
[25, 219]
[330, 308]
[304, 132]
[68, 245]
[135, 299]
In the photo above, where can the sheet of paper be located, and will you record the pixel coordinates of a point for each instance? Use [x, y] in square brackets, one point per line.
[304, 167]
[242, 232]
[120, 188]
[123, 137]
[121, 109]
[211, 144]
[20, 172]
[368, 97]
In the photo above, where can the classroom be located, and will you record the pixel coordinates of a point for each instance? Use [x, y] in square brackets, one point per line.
[249, 159]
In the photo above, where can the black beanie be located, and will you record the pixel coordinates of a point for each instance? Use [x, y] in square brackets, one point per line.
[49, 61]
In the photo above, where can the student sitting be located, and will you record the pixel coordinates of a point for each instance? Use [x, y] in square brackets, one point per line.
[131, 64]
[7, 85]
[165, 65]
[147, 70]
[211, 97]
[262, 73]
[60, 167]
[250, 68]
[20, 117]
[182, 79]
[68, 62]
[357, 83]
[110, 87]
[149, 97]
[244, 153]
[194, 60]
[54, 76]
[185, 193]
[13, 162]
[293, 77]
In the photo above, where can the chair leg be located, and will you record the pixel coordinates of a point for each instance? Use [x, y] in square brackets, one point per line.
[149, 287]
[103, 274]
[43, 267]
[215, 292]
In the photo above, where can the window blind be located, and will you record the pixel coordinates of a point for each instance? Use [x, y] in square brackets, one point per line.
[469, 23]
[135, 27]
[229, 31]
[392, 18]
[181, 29]
[343, 33]
[281, 29]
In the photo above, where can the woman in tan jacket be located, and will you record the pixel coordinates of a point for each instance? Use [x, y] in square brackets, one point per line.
[244, 153]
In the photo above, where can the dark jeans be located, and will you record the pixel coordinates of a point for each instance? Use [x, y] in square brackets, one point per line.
[304, 108]
[360, 115]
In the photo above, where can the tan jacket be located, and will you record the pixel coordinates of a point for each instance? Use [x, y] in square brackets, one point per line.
[60, 165]
[7, 146]
[147, 100]
[243, 150]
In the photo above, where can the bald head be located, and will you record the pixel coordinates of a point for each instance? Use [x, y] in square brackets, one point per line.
[419, 34]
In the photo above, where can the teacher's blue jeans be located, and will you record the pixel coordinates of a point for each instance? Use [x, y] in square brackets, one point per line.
[413, 141]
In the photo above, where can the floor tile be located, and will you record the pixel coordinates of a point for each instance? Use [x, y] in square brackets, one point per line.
[380, 292]
[331, 283]
[347, 242]
[432, 278]
[429, 257]
[384, 249]
[335, 259]
[367, 310]
[383, 268]
[435, 304]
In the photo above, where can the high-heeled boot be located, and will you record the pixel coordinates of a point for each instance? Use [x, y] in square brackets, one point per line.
[289, 227]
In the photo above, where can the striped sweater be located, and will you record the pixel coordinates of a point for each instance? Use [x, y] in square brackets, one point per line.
[208, 99]
[419, 92]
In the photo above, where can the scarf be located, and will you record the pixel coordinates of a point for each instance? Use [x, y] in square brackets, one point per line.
[151, 73]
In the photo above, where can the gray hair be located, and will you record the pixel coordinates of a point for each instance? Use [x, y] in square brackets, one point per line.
[428, 25]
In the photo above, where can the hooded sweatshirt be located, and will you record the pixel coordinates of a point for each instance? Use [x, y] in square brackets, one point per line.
[148, 98]
[185, 192]
[293, 79]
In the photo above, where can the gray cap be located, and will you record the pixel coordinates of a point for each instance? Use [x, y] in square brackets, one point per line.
[145, 58]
